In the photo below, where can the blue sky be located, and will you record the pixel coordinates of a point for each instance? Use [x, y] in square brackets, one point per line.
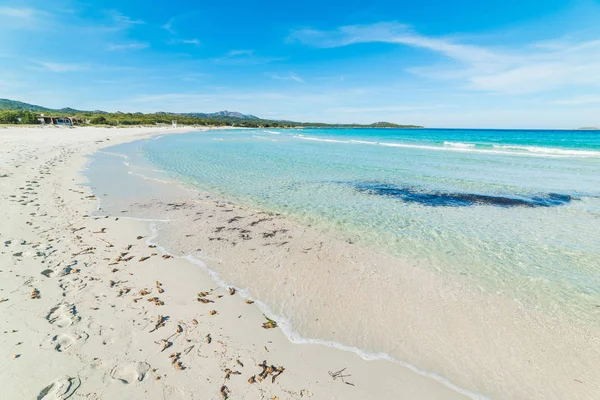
[438, 63]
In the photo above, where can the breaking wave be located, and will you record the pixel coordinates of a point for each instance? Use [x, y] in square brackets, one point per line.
[511, 150]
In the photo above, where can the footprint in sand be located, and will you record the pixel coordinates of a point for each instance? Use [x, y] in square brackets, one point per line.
[63, 341]
[130, 372]
[72, 286]
[61, 389]
[63, 315]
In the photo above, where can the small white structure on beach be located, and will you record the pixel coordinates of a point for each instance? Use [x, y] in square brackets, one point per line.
[174, 123]
[68, 121]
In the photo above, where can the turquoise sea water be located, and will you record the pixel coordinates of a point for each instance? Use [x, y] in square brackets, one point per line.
[513, 212]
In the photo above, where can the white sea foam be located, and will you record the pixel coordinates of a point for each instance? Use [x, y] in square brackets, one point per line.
[323, 140]
[362, 142]
[459, 144]
[113, 154]
[529, 151]
[272, 132]
[551, 150]
[148, 178]
[98, 204]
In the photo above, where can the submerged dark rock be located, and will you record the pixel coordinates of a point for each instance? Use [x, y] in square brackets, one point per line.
[450, 199]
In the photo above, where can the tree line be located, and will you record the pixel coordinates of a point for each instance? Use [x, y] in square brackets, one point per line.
[25, 117]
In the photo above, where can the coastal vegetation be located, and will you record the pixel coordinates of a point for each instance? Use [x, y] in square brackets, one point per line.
[16, 112]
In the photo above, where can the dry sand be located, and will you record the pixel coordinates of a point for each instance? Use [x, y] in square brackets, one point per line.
[90, 310]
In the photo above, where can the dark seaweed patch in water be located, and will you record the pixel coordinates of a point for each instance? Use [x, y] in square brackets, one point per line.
[448, 199]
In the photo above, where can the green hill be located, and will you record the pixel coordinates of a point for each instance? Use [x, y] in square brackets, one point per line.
[386, 125]
[6, 104]
[14, 105]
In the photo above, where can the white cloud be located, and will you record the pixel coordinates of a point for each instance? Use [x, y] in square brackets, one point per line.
[526, 69]
[578, 100]
[290, 77]
[236, 53]
[386, 109]
[13, 12]
[169, 26]
[59, 67]
[243, 57]
[391, 32]
[194, 42]
[128, 46]
[125, 20]
[4, 83]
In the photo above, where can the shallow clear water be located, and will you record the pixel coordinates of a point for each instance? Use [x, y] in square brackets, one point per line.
[515, 212]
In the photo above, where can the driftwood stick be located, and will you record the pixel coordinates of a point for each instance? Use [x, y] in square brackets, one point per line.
[340, 374]
[108, 244]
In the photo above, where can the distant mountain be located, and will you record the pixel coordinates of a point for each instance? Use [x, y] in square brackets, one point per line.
[69, 110]
[220, 114]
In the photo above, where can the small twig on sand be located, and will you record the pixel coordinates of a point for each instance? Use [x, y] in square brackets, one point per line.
[340, 374]
[108, 244]
[86, 251]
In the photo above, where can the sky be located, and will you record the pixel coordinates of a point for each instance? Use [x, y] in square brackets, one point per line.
[437, 63]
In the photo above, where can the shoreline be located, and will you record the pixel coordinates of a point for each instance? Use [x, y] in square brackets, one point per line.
[468, 339]
[296, 338]
[106, 350]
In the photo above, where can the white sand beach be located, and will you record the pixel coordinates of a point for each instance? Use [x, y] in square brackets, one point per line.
[92, 310]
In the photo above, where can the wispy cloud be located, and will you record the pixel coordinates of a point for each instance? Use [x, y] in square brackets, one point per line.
[169, 26]
[204, 98]
[4, 83]
[23, 18]
[578, 100]
[244, 57]
[192, 77]
[128, 46]
[125, 20]
[238, 53]
[59, 67]
[194, 42]
[290, 77]
[14, 12]
[168, 97]
[528, 68]
[386, 109]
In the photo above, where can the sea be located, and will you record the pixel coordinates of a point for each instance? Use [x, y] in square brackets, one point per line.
[512, 213]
